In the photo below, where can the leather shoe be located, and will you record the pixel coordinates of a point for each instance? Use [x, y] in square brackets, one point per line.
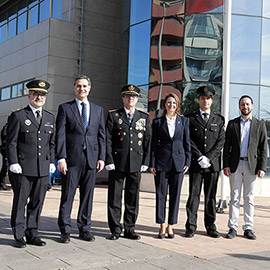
[161, 235]
[114, 236]
[189, 233]
[213, 233]
[4, 187]
[87, 236]
[132, 235]
[170, 235]
[249, 234]
[20, 243]
[231, 234]
[65, 238]
[36, 241]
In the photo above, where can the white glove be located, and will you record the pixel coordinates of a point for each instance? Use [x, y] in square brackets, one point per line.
[52, 168]
[15, 168]
[144, 168]
[204, 162]
[110, 167]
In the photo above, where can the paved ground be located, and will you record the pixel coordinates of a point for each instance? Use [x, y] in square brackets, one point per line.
[200, 252]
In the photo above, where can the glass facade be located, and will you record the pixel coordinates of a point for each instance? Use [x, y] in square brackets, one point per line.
[14, 91]
[17, 16]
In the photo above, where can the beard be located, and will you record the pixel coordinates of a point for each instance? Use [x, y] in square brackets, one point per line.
[246, 113]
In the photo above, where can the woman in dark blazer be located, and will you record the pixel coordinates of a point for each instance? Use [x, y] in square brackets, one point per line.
[170, 160]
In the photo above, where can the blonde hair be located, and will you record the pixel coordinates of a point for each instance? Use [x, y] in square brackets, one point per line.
[173, 95]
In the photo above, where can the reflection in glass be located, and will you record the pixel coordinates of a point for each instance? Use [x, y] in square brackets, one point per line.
[12, 26]
[140, 10]
[44, 10]
[266, 8]
[236, 91]
[202, 6]
[5, 93]
[22, 20]
[33, 14]
[265, 55]
[16, 90]
[3, 31]
[265, 116]
[247, 7]
[245, 49]
[57, 9]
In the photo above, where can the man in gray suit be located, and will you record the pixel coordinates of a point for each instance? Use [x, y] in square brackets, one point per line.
[244, 159]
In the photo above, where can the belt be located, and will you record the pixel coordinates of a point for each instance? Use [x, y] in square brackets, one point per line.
[244, 158]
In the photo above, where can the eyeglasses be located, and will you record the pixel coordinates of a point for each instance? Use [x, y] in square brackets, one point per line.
[130, 96]
[36, 94]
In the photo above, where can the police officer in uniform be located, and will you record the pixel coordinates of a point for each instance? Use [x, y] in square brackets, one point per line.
[207, 138]
[128, 153]
[30, 151]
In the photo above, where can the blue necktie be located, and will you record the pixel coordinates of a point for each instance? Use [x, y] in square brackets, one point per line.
[84, 115]
[130, 117]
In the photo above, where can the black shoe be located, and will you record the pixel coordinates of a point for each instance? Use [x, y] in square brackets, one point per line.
[170, 235]
[4, 187]
[36, 241]
[87, 236]
[249, 234]
[65, 238]
[189, 233]
[213, 233]
[20, 243]
[132, 235]
[231, 234]
[114, 236]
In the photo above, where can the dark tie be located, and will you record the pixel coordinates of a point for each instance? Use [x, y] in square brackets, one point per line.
[84, 115]
[38, 116]
[130, 117]
[205, 118]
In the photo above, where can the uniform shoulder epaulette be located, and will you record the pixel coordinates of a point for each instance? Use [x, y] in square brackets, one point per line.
[112, 110]
[48, 112]
[143, 112]
[19, 109]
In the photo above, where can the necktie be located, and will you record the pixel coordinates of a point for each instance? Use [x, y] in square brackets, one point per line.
[205, 118]
[38, 116]
[84, 115]
[130, 117]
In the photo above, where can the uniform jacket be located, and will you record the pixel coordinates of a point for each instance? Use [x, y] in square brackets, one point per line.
[128, 146]
[257, 145]
[71, 135]
[165, 150]
[206, 139]
[31, 145]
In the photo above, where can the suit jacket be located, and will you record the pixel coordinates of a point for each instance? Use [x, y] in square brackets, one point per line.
[31, 145]
[71, 135]
[257, 145]
[166, 151]
[206, 139]
[128, 145]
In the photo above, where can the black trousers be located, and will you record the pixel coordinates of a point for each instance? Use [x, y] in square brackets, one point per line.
[210, 189]
[4, 169]
[84, 176]
[174, 180]
[131, 199]
[25, 187]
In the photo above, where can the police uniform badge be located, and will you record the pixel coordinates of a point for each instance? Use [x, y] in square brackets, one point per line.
[42, 84]
[120, 121]
[140, 135]
[28, 122]
[140, 124]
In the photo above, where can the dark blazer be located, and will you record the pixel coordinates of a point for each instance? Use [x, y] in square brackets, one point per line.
[165, 150]
[31, 145]
[206, 140]
[128, 146]
[257, 145]
[70, 134]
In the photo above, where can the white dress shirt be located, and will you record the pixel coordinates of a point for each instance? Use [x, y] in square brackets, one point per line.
[171, 125]
[35, 111]
[245, 129]
[87, 104]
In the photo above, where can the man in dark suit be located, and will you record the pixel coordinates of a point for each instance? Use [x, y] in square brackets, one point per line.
[207, 138]
[128, 152]
[80, 137]
[30, 151]
[244, 159]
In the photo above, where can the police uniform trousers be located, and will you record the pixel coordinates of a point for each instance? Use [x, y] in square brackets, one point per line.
[4, 170]
[210, 189]
[174, 180]
[131, 200]
[85, 177]
[25, 187]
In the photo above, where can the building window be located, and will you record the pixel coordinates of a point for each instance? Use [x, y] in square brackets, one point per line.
[5, 93]
[17, 90]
